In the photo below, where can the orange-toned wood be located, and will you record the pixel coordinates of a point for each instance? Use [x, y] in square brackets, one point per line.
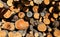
[42, 27]
[21, 14]
[55, 15]
[50, 9]
[21, 24]
[35, 8]
[56, 32]
[47, 2]
[8, 26]
[46, 21]
[36, 15]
